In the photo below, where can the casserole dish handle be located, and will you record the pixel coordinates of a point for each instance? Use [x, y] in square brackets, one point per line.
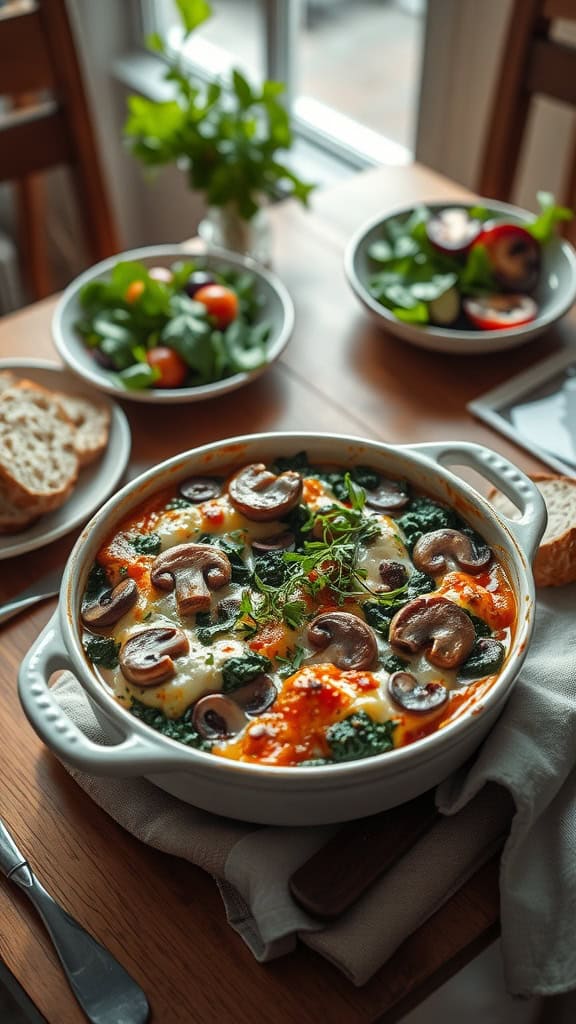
[131, 756]
[504, 475]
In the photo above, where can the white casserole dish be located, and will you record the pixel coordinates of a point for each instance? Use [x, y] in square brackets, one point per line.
[287, 795]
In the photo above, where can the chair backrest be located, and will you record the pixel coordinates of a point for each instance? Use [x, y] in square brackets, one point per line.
[48, 123]
[533, 63]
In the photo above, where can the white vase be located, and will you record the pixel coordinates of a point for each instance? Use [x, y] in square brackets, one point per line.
[224, 228]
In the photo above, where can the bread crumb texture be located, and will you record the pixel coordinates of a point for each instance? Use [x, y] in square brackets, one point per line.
[46, 437]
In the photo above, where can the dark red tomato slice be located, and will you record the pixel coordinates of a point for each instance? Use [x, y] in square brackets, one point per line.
[221, 303]
[514, 256]
[495, 312]
[171, 367]
[453, 231]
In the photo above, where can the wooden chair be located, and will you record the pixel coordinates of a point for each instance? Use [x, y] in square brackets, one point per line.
[48, 123]
[533, 63]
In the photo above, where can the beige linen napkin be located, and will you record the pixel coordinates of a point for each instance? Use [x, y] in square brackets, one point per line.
[524, 775]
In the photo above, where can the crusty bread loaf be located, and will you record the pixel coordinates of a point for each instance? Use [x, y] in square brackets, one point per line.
[91, 421]
[38, 463]
[555, 562]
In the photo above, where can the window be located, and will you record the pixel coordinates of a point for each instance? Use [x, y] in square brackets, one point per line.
[351, 70]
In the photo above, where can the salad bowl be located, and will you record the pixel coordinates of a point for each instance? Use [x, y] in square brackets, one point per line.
[109, 321]
[283, 794]
[366, 263]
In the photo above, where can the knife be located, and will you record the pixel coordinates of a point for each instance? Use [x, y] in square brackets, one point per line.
[47, 586]
[334, 877]
[105, 991]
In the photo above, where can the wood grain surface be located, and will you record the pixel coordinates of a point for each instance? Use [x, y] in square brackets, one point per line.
[162, 917]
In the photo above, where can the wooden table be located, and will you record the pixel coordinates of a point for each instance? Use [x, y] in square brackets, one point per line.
[162, 917]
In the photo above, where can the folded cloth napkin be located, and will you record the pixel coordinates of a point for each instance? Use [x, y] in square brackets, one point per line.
[520, 788]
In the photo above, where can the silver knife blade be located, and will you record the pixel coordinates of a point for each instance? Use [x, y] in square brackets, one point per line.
[47, 586]
[105, 991]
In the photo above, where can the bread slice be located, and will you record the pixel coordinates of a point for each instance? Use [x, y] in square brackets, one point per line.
[555, 561]
[38, 462]
[14, 519]
[91, 421]
[7, 380]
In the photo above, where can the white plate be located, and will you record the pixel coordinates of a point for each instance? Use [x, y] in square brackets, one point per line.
[96, 481]
[277, 309]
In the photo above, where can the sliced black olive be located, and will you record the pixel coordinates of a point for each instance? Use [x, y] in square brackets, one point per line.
[412, 695]
[200, 488]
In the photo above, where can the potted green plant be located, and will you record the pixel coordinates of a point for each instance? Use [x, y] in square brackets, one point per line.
[226, 136]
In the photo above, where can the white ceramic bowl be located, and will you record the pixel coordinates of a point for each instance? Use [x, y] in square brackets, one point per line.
[277, 309]
[555, 293]
[286, 795]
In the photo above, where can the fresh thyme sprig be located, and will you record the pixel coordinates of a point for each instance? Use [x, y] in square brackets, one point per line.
[328, 562]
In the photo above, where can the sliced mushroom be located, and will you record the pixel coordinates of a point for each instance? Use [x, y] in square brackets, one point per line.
[346, 640]
[434, 625]
[146, 658]
[393, 574]
[413, 695]
[200, 488]
[387, 497]
[435, 552]
[111, 605]
[217, 717]
[279, 542]
[194, 570]
[257, 695]
[260, 495]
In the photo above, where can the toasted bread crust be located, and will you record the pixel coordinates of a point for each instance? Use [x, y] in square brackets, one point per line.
[555, 561]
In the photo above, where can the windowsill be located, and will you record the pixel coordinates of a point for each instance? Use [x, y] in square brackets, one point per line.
[317, 154]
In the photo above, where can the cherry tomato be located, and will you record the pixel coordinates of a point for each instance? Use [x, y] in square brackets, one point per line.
[514, 255]
[170, 365]
[221, 303]
[134, 291]
[494, 312]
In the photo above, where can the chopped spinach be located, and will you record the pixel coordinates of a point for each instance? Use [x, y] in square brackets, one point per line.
[481, 628]
[359, 736]
[395, 664]
[180, 729]
[379, 616]
[422, 516]
[241, 670]
[240, 571]
[146, 543]
[419, 583]
[96, 584]
[208, 630]
[298, 463]
[272, 569]
[101, 650]
[485, 660]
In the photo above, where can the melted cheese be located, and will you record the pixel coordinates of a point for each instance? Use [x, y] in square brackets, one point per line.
[318, 694]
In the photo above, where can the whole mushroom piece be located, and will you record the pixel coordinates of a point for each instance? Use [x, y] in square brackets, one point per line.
[194, 570]
[146, 658]
[434, 553]
[111, 605]
[262, 496]
[434, 625]
[346, 640]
